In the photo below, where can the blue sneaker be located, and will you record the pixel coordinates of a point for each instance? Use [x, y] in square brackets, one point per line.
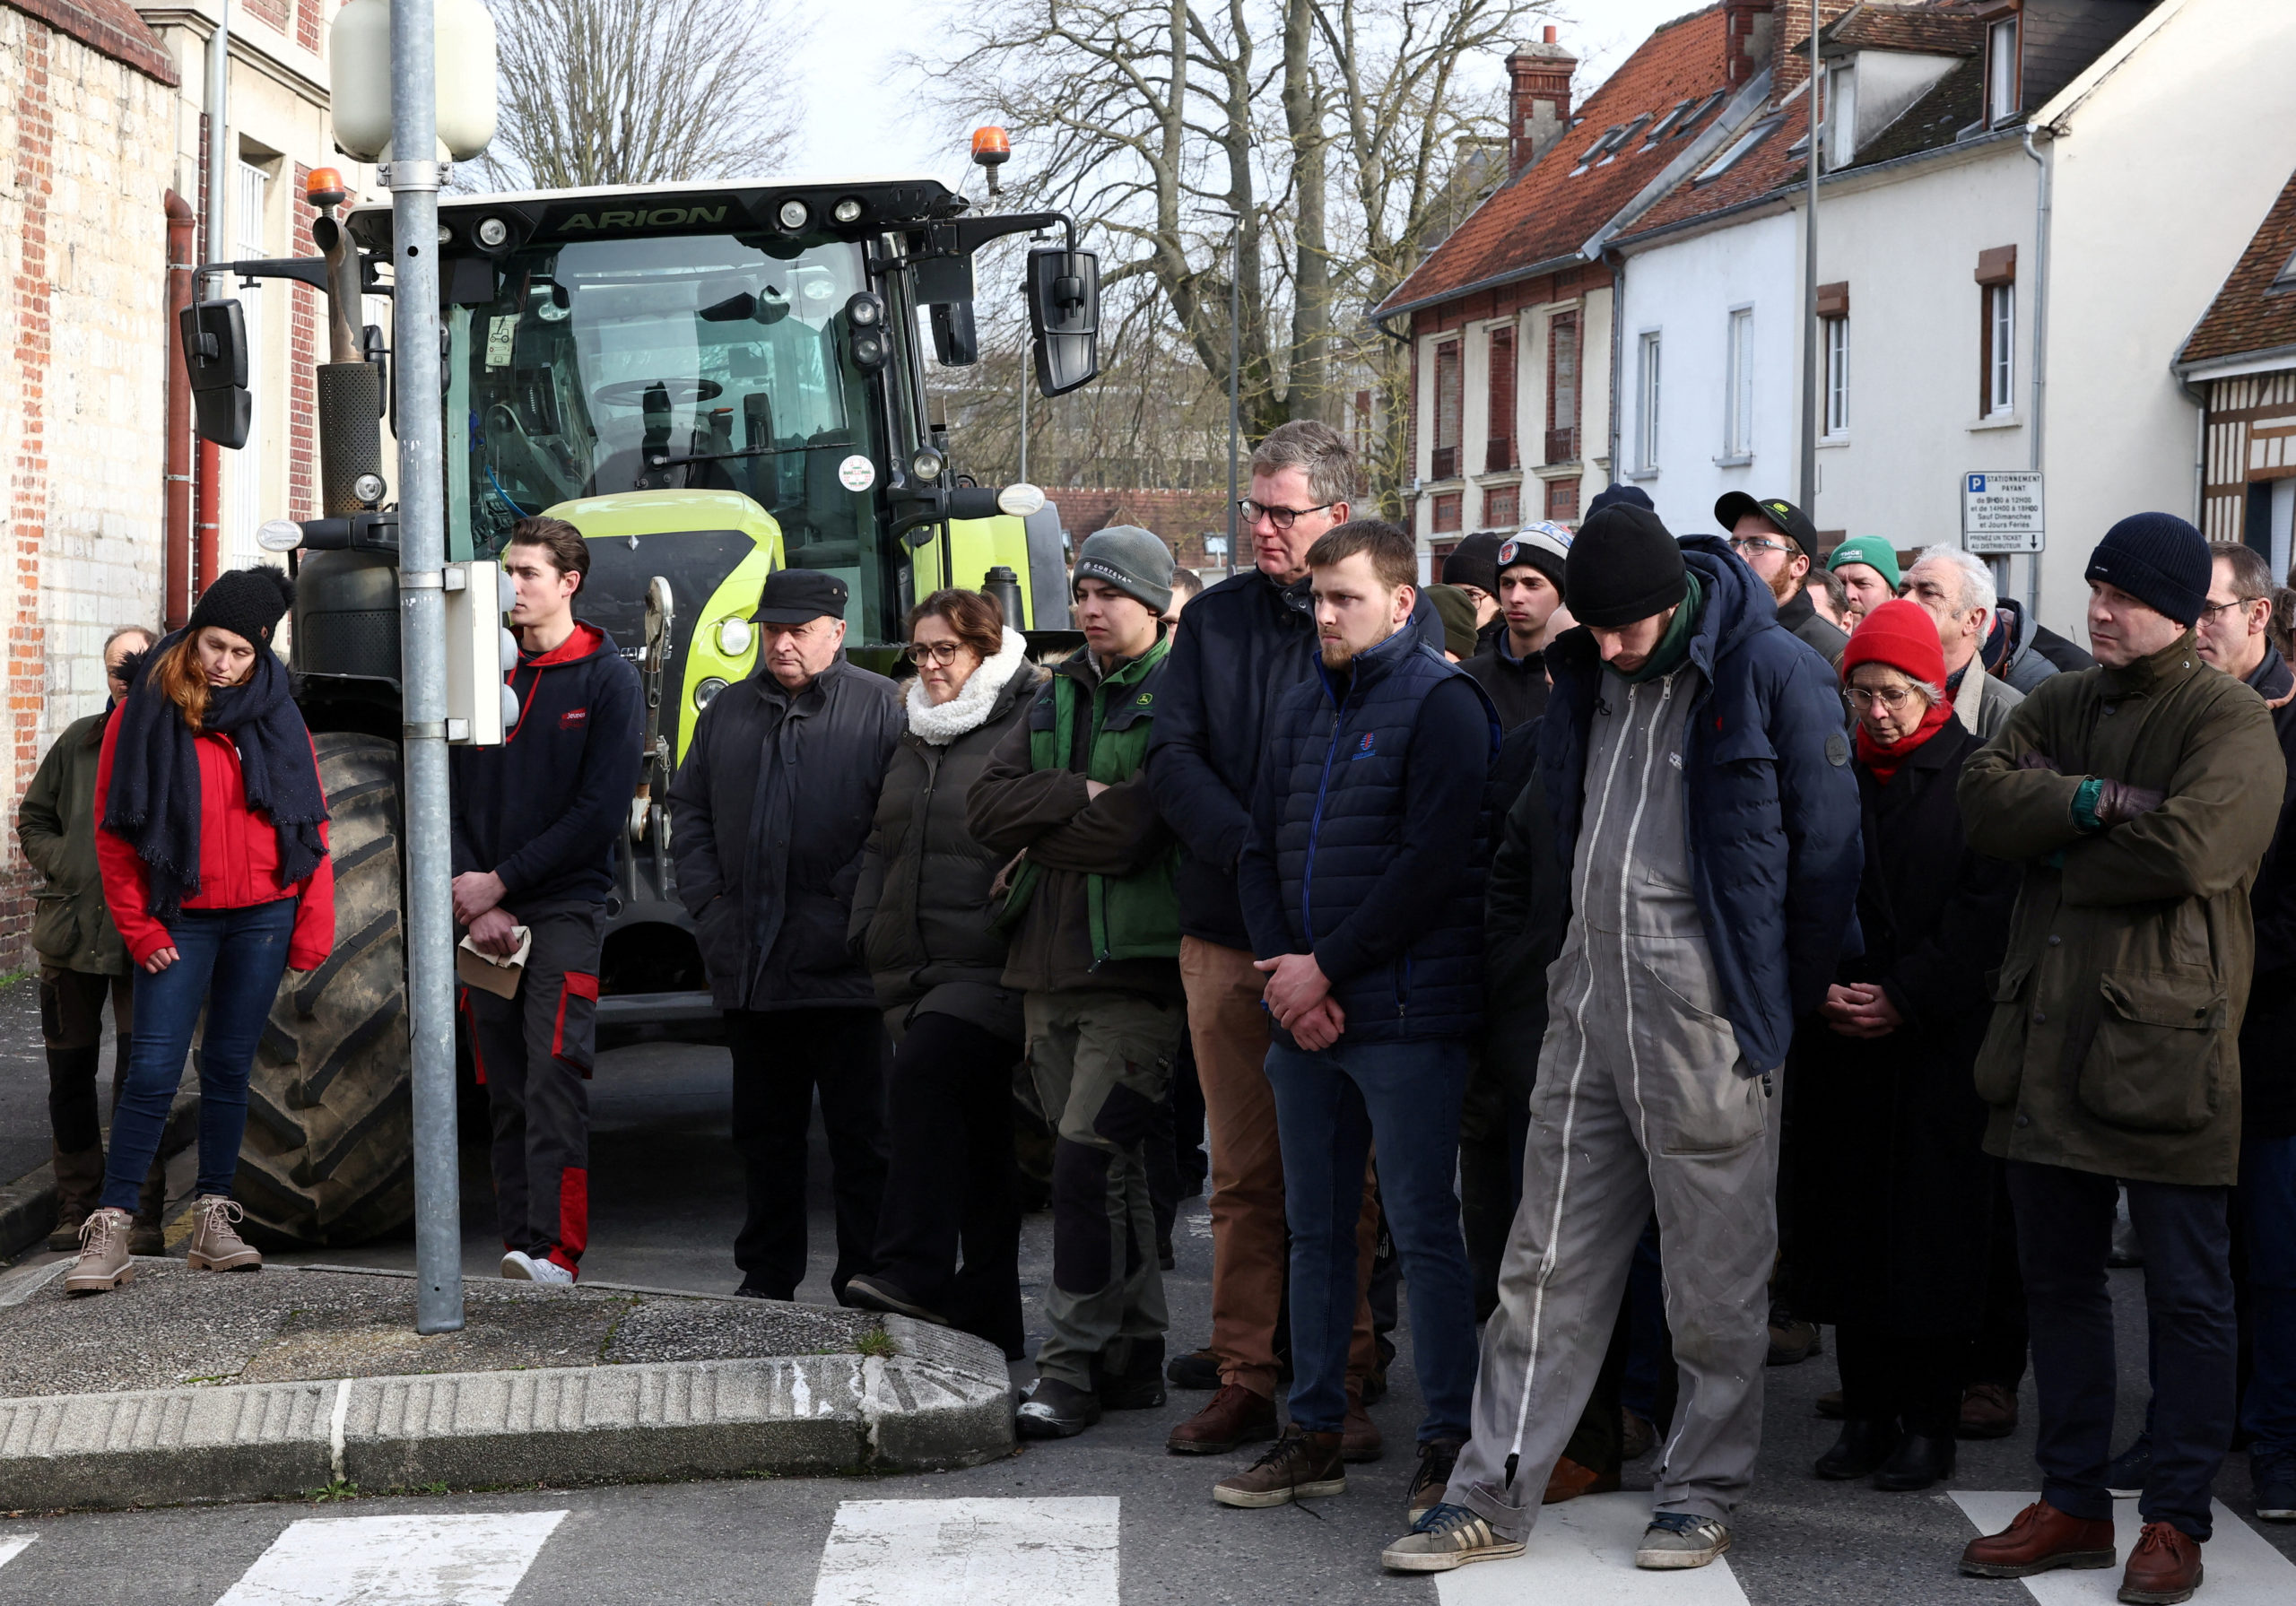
[2124, 1477]
[2272, 1475]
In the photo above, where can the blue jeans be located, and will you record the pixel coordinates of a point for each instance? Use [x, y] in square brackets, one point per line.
[1329, 1108]
[230, 960]
[2266, 1201]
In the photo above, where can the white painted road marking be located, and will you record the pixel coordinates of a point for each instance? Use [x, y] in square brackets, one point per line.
[395, 1561]
[1582, 1552]
[2240, 1567]
[10, 1549]
[979, 1552]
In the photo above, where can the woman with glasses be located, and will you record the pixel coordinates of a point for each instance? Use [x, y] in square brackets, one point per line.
[921, 920]
[1896, 1204]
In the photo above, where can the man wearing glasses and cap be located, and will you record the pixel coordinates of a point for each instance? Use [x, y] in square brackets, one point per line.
[771, 807]
[1778, 541]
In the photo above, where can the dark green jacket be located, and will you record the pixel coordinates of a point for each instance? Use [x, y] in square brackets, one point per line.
[56, 824]
[1092, 904]
[2114, 1047]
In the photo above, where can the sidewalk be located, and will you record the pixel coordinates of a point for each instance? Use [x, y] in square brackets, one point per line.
[201, 1386]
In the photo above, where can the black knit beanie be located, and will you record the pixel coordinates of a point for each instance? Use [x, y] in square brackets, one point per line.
[1474, 561]
[1625, 566]
[245, 602]
[2158, 558]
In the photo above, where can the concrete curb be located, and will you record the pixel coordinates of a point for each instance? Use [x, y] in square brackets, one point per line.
[943, 1400]
[28, 1204]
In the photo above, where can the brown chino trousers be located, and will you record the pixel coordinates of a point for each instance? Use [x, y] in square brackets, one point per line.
[1248, 1243]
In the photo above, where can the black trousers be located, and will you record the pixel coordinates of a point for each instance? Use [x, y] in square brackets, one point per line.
[2065, 1222]
[71, 1025]
[1997, 1353]
[781, 1057]
[1890, 1378]
[949, 1182]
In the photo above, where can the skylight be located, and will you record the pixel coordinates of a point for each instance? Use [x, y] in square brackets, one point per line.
[1617, 140]
[1700, 112]
[1658, 131]
[1738, 147]
[2287, 276]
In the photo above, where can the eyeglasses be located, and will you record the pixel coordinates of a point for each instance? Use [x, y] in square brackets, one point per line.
[943, 653]
[2238, 602]
[1283, 518]
[1891, 698]
[1743, 544]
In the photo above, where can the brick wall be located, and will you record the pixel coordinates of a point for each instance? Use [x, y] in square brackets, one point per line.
[85, 146]
[310, 24]
[1182, 517]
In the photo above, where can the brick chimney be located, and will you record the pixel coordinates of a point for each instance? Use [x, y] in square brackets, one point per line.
[1541, 76]
[1748, 26]
[1790, 40]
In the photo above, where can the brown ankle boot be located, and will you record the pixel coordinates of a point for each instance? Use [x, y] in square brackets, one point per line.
[1359, 1435]
[103, 1264]
[1301, 1465]
[2039, 1538]
[1569, 1479]
[79, 1184]
[2163, 1568]
[1235, 1416]
[214, 1245]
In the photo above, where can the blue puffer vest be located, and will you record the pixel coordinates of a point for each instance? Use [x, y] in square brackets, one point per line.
[1338, 769]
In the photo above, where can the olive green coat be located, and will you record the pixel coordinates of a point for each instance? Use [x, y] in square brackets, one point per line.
[2114, 1047]
[56, 824]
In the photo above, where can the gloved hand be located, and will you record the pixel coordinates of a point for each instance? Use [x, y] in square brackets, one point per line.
[2119, 802]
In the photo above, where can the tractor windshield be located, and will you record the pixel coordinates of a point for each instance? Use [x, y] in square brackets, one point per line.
[678, 363]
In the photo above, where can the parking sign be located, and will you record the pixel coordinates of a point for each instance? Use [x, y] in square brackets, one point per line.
[2001, 512]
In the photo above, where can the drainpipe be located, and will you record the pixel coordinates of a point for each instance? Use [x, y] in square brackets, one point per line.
[207, 517]
[175, 591]
[2040, 344]
[1618, 359]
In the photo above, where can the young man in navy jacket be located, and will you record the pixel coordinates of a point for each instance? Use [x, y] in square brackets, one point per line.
[1362, 885]
[534, 830]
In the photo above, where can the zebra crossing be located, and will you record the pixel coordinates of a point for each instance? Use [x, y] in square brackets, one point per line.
[1040, 1551]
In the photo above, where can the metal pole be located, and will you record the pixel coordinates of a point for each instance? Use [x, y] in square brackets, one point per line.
[1025, 417]
[1235, 361]
[1810, 294]
[414, 183]
[219, 90]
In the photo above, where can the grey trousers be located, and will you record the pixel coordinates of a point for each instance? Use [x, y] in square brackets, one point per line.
[1639, 1103]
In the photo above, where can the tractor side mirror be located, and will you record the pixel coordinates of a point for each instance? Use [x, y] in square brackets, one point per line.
[215, 353]
[1064, 316]
[954, 342]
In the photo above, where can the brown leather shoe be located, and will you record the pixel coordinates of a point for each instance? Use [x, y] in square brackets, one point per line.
[1235, 1416]
[1300, 1464]
[2040, 1537]
[2163, 1568]
[1359, 1435]
[1989, 1411]
[1569, 1480]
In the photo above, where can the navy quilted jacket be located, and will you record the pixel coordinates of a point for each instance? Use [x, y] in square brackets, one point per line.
[1367, 846]
[1772, 804]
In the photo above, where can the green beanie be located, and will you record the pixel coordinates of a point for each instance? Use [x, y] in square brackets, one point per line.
[1872, 551]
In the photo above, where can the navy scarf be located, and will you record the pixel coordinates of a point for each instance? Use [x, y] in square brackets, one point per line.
[154, 801]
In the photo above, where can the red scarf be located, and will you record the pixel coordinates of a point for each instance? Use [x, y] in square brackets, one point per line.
[1884, 761]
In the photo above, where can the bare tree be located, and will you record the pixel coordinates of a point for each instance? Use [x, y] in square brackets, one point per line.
[638, 92]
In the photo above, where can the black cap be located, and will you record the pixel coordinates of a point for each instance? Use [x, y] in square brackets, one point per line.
[1625, 565]
[1795, 522]
[794, 595]
[245, 602]
[1611, 496]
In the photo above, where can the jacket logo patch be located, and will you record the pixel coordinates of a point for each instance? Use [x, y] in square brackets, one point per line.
[1143, 699]
[1363, 748]
[1837, 748]
[572, 718]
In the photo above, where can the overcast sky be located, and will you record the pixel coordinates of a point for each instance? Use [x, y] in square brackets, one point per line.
[862, 116]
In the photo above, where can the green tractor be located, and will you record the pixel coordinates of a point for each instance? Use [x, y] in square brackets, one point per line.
[710, 381]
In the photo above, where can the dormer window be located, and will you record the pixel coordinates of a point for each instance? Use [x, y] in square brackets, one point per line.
[2286, 278]
[2003, 96]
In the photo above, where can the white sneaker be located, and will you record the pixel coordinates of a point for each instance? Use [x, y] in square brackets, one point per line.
[521, 1267]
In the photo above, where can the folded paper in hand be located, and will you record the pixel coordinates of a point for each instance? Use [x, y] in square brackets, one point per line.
[498, 974]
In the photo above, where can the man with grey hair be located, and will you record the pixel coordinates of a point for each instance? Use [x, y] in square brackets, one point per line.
[1957, 590]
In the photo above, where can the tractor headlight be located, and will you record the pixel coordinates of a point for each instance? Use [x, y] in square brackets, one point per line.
[925, 464]
[793, 215]
[733, 636]
[368, 489]
[492, 232]
[847, 211]
[705, 693]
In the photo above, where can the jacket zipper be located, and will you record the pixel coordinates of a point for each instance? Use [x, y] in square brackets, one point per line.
[1316, 825]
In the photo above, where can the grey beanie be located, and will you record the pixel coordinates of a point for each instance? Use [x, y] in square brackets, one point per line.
[1134, 560]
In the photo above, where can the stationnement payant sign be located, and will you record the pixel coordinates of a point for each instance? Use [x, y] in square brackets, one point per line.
[2001, 512]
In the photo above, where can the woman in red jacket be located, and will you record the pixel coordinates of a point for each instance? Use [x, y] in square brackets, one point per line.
[215, 867]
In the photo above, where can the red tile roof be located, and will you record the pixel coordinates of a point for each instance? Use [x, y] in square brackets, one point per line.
[107, 27]
[2249, 314]
[1771, 165]
[1949, 29]
[1553, 206]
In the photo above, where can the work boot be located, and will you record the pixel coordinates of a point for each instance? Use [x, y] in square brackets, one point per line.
[1131, 1374]
[79, 1184]
[2039, 1539]
[1676, 1540]
[103, 1264]
[216, 1246]
[1437, 1457]
[1197, 1369]
[1792, 1340]
[1055, 1410]
[148, 1234]
[2163, 1568]
[1864, 1447]
[1448, 1536]
[1359, 1435]
[869, 1291]
[1299, 1465]
[1918, 1462]
[1569, 1479]
[1989, 1411]
[1234, 1417]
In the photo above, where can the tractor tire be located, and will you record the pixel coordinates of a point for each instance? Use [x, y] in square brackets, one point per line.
[328, 1157]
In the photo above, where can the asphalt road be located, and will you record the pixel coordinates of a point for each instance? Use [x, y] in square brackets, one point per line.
[666, 1201]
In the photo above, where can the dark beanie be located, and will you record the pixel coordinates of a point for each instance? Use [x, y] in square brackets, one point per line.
[245, 602]
[1620, 494]
[1474, 561]
[2159, 559]
[1625, 566]
[1134, 560]
[1455, 609]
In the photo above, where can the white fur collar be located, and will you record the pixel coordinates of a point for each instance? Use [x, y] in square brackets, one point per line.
[939, 725]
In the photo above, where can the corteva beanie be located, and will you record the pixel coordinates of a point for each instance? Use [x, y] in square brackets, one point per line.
[2159, 559]
[1134, 560]
[1623, 566]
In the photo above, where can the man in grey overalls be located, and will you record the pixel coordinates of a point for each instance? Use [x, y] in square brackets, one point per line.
[1694, 756]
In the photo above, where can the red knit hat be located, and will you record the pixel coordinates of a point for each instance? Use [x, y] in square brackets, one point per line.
[1901, 634]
